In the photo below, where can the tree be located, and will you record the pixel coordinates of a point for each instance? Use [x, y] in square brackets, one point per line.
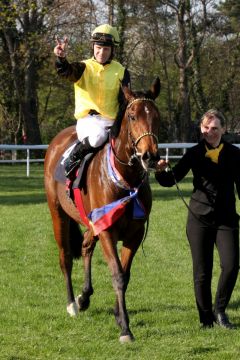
[24, 28]
[183, 59]
[229, 30]
[193, 46]
[22, 25]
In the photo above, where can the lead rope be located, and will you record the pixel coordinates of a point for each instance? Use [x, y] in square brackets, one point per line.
[179, 190]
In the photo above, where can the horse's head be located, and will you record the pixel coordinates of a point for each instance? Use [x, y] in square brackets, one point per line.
[143, 122]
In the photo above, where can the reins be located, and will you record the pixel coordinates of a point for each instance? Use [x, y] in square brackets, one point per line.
[129, 163]
[179, 190]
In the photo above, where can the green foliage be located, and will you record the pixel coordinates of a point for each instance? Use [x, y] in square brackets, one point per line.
[34, 324]
[149, 47]
[56, 103]
[231, 9]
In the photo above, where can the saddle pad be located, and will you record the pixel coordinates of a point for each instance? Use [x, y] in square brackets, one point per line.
[78, 179]
[59, 174]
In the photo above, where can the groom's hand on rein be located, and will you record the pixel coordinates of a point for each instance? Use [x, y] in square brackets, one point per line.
[162, 165]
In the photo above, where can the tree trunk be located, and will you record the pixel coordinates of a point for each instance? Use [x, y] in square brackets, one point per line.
[121, 24]
[198, 92]
[183, 114]
[30, 114]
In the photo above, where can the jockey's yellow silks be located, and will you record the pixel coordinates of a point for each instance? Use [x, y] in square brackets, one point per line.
[98, 89]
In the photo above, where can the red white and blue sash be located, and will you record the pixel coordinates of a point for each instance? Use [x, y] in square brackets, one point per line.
[102, 218]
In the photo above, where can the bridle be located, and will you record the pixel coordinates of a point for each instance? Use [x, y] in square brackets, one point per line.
[134, 142]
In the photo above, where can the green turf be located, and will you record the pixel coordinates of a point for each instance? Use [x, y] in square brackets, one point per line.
[34, 324]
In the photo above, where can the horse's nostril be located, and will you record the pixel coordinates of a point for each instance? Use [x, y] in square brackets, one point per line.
[147, 156]
[150, 160]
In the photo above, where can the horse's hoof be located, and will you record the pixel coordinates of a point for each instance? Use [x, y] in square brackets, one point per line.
[72, 309]
[82, 304]
[126, 339]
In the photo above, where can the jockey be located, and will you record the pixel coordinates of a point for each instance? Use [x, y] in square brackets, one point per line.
[97, 84]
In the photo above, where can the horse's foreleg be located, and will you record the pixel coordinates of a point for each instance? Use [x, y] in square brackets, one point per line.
[119, 284]
[116, 312]
[128, 251]
[88, 246]
[66, 264]
[61, 223]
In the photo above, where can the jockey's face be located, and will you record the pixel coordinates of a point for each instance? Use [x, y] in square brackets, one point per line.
[102, 53]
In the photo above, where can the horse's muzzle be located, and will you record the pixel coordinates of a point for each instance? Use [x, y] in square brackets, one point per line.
[150, 160]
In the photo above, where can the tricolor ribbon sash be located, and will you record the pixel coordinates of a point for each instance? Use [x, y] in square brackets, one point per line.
[102, 218]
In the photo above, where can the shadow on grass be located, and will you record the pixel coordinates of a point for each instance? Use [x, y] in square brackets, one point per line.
[16, 188]
[235, 305]
[202, 350]
[169, 194]
[17, 184]
[21, 190]
[163, 308]
[12, 200]
[187, 180]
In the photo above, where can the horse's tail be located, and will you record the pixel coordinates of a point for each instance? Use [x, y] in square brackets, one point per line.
[76, 239]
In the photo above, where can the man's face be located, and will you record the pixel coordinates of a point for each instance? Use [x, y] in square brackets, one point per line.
[212, 131]
[102, 53]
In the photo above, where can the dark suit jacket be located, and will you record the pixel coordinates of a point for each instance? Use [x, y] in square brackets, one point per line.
[213, 184]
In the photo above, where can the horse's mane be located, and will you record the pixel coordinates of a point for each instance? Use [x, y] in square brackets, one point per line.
[115, 129]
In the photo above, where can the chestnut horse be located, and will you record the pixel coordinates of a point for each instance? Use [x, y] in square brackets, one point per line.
[134, 147]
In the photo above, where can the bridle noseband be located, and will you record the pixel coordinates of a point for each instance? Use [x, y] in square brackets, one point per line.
[135, 141]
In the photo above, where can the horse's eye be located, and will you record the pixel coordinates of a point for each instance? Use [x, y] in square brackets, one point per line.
[131, 117]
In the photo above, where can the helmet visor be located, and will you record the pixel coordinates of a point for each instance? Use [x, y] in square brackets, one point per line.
[105, 39]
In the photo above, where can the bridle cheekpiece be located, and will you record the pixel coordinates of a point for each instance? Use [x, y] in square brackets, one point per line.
[135, 141]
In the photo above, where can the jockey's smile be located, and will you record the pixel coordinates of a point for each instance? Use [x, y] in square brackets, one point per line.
[102, 53]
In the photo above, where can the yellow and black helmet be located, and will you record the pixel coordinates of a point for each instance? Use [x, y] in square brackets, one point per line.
[105, 35]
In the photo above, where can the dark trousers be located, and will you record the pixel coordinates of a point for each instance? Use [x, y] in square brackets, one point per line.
[202, 239]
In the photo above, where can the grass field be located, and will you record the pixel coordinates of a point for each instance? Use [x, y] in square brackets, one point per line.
[34, 324]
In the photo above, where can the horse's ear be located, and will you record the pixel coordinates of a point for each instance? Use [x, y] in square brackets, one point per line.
[128, 94]
[155, 88]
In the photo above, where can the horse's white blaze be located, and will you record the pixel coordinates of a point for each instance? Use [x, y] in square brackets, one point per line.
[146, 109]
[72, 309]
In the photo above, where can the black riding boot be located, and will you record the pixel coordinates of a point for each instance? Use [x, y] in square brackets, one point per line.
[78, 153]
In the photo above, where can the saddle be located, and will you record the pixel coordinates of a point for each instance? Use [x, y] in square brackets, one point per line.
[78, 177]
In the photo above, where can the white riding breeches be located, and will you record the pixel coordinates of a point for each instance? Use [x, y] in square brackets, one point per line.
[95, 127]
